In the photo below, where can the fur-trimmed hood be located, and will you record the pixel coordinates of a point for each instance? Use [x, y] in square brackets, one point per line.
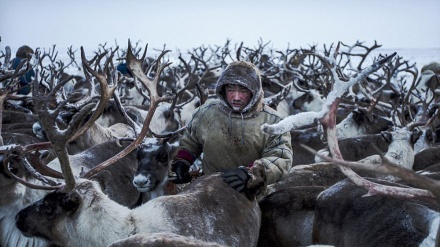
[244, 74]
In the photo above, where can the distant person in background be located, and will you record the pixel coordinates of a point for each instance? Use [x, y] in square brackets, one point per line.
[24, 52]
[122, 67]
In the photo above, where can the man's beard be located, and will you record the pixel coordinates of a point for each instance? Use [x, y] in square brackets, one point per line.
[237, 108]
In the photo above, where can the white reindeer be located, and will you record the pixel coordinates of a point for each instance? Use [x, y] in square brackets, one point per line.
[209, 210]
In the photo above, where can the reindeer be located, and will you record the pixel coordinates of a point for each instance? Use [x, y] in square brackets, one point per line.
[358, 123]
[22, 196]
[147, 237]
[288, 215]
[305, 215]
[426, 158]
[321, 231]
[311, 100]
[113, 179]
[344, 216]
[164, 120]
[151, 178]
[405, 135]
[162, 239]
[98, 134]
[86, 216]
[412, 213]
[14, 197]
[153, 156]
[74, 205]
[400, 150]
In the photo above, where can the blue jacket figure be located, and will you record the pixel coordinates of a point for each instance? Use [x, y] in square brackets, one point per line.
[24, 80]
[122, 67]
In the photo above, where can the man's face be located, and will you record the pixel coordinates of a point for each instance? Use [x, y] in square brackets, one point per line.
[238, 97]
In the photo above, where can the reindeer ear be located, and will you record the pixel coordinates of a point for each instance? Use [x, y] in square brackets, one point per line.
[429, 135]
[174, 139]
[308, 98]
[359, 116]
[71, 202]
[163, 141]
[168, 114]
[415, 135]
[370, 117]
[169, 147]
[297, 103]
[387, 136]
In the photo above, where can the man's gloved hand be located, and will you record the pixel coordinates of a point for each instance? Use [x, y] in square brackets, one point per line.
[236, 178]
[251, 181]
[182, 172]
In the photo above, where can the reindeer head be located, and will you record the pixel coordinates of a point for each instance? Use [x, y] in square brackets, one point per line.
[401, 134]
[39, 219]
[153, 164]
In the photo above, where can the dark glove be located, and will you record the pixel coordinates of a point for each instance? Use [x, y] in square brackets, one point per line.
[251, 182]
[182, 172]
[236, 178]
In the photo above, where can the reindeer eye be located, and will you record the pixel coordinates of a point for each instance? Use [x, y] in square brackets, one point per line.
[46, 208]
[13, 170]
[167, 114]
[162, 157]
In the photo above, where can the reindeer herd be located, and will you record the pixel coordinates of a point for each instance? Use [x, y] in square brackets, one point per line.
[85, 156]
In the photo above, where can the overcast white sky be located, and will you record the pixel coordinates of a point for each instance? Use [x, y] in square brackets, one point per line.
[192, 23]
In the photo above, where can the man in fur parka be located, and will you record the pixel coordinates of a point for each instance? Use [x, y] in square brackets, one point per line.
[227, 131]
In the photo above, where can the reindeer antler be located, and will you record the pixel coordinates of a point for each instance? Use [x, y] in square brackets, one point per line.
[339, 88]
[135, 66]
[431, 186]
[19, 152]
[106, 91]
